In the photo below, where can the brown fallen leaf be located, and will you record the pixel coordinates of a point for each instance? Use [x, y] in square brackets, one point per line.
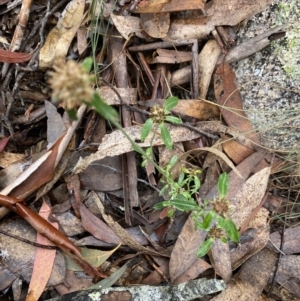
[196, 268]
[3, 143]
[234, 150]
[220, 259]
[251, 242]
[229, 97]
[249, 196]
[288, 274]
[185, 249]
[251, 279]
[217, 13]
[43, 261]
[109, 170]
[7, 56]
[155, 25]
[291, 243]
[166, 56]
[126, 238]
[129, 25]
[157, 6]
[116, 143]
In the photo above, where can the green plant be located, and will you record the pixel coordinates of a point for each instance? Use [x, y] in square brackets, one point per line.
[158, 116]
[211, 216]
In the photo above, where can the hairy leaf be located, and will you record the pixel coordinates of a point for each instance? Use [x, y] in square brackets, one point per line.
[165, 135]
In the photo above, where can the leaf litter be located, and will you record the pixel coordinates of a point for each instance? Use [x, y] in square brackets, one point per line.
[144, 52]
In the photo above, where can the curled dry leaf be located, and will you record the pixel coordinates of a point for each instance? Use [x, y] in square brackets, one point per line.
[60, 37]
[207, 60]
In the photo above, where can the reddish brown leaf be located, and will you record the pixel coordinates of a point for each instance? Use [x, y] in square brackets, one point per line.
[7, 56]
[3, 143]
[43, 261]
[42, 175]
[228, 95]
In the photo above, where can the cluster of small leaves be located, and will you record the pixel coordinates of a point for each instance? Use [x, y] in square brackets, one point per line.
[158, 116]
[211, 216]
[180, 192]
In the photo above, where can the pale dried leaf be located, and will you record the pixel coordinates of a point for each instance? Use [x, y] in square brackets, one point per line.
[207, 60]
[60, 37]
[156, 25]
[116, 143]
[220, 259]
[185, 249]
[55, 124]
[249, 196]
[128, 95]
[129, 25]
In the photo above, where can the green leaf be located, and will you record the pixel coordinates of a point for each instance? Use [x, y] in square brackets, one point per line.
[105, 110]
[207, 220]
[205, 247]
[163, 189]
[165, 135]
[182, 204]
[87, 64]
[171, 213]
[231, 230]
[137, 148]
[224, 240]
[161, 205]
[197, 182]
[72, 113]
[172, 162]
[171, 103]
[180, 178]
[173, 119]
[221, 221]
[146, 129]
[223, 183]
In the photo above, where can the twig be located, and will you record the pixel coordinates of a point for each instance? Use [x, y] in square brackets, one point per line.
[28, 241]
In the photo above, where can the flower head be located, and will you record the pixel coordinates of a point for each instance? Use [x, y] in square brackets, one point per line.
[71, 84]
